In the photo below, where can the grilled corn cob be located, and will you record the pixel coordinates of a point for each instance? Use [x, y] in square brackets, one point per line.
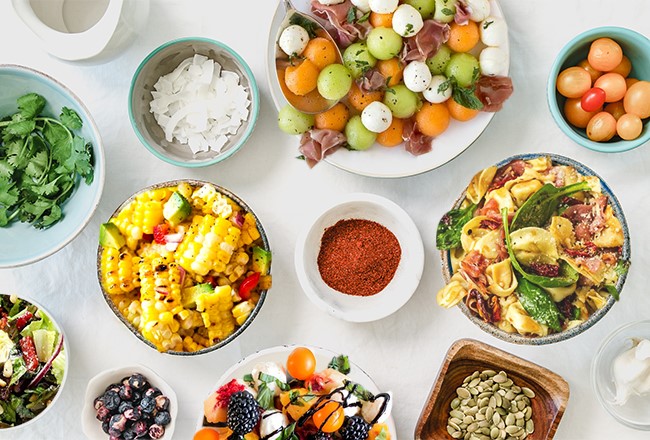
[242, 311]
[208, 245]
[216, 312]
[249, 232]
[160, 280]
[119, 270]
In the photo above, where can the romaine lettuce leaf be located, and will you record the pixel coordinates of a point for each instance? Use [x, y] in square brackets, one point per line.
[58, 367]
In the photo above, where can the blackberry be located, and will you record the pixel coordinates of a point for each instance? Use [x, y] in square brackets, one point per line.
[355, 428]
[243, 414]
[320, 436]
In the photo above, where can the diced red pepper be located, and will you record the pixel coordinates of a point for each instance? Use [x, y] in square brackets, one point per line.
[248, 285]
[159, 232]
[24, 319]
[210, 279]
[29, 353]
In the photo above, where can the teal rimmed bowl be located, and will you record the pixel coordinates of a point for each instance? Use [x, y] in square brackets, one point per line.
[635, 46]
[162, 61]
[21, 243]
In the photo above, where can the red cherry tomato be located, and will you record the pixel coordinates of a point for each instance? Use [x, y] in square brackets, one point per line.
[593, 99]
[248, 284]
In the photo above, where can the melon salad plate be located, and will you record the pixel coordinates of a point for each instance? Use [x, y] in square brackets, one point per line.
[380, 161]
[273, 361]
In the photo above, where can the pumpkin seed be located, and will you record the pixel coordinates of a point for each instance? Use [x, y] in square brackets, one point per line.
[530, 426]
[528, 392]
[463, 393]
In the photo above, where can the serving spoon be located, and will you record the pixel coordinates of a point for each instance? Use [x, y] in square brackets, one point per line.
[312, 102]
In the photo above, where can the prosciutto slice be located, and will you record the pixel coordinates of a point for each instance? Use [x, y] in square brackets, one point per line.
[344, 33]
[463, 12]
[417, 143]
[493, 91]
[588, 220]
[426, 42]
[317, 143]
[508, 172]
[371, 81]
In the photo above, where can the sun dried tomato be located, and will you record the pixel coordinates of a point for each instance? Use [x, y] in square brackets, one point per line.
[22, 321]
[588, 250]
[488, 309]
[545, 270]
[29, 353]
[566, 306]
[3, 322]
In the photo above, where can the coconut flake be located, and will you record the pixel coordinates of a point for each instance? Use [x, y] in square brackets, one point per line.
[200, 104]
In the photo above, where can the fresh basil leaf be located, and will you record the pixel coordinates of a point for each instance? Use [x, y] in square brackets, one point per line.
[451, 225]
[622, 267]
[340, 363]
[248, 378]
[288, 433]
[359, 391]
[467, 98]
[538, 303]
[447, 11]
[265, 396]
[352, 15]
[539, 208]
[383, 434]
[305, 23]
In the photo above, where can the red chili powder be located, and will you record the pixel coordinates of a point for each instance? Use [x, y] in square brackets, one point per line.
[358, 257]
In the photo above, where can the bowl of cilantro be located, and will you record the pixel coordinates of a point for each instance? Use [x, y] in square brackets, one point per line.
[51, 166]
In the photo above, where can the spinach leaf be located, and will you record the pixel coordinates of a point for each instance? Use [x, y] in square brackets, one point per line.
[622, 266]
[568, 275]
[340, 363]
[538, 304]
[539, 207]
[611, 289]
[450, 227]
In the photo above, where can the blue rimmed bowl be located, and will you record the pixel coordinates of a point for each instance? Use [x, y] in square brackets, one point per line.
[164, 60]
[21, 243]
[635, 46]
[515, 338]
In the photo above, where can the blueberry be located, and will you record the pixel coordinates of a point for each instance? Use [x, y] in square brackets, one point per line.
[99, 402]
[152, 392]
[118, 422]
[126, 392]
[156, 431]
[114, 433]
[105, 426]
[124, 406]
[103, 414]
[128, 435]
[137, 397]
[138, 381]
[163, 418]
[111, 400]
[132, 414]
[113, 387]
[140, 428]
[162, 403]
[147, 405]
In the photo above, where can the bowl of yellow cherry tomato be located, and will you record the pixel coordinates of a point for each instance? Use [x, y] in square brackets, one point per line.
[185, 265]
[599, 89]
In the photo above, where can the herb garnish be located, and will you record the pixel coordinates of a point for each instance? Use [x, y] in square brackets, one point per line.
[340, 363]
[41, 159]
[465, 96]
[447, 11]
[487, 24]
[307, 24]
[359, 391]
[264, 393]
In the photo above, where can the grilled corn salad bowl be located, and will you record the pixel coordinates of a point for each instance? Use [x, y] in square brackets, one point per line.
[185, 265]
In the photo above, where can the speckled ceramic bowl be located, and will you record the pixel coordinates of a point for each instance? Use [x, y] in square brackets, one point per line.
[131, 327]
[516, 338]
[164, 60]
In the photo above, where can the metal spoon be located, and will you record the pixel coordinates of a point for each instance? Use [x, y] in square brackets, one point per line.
[312, 102]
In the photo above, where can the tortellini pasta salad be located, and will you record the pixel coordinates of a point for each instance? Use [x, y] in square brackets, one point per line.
[535, 247]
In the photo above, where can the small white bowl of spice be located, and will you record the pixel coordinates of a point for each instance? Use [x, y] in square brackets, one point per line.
[361, 259]
[193, 102]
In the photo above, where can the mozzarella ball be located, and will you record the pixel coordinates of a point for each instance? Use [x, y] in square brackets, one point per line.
[362, 5]
[372, 412]
[330, 2]
[493, 61]
[343, 396]
[480, 9]
[407, 21]
[417, 76]
[432, 94]
[271, 424]
[494, 31]
[383, 6]
[293, 40]
[376, 117]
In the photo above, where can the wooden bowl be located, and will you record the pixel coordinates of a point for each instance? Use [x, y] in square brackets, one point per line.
[466, 356]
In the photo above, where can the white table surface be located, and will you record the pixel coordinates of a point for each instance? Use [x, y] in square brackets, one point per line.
[402, 352]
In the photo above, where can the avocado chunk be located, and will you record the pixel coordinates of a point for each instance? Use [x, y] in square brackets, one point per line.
[177, 208]
[110, 236]
[190, 294]
[261, 260]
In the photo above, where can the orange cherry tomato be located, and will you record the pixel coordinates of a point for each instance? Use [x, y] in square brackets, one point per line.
[637, 99]
[601, 127]
[573, 82]
[605, 54]
[624, 68]
[301, 363]
[329, 417]
[206, 434]
[574, 113]
[614, 86]
[595, 74]
[616, 109]
[629, 127]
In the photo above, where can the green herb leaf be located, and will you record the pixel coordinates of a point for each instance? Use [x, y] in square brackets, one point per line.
[352, 15]
[8, 192]
[611, 289]
[539, 207]
[359, 391]
[70, 119]
[305, 23]
[30, 105]
[487, 24]
[340, 363]
[248, 378]
[575, 313]
[365, 17]
[409, 29]
[20, 128]
[265, 396]
[447, 11]
[450, 227]
[622, 267]
[538, 304]
[444, 86]
[288, 433]
[467, 98]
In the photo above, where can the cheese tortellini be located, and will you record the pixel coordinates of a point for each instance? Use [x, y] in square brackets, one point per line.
[501, 278]
[534, 245]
